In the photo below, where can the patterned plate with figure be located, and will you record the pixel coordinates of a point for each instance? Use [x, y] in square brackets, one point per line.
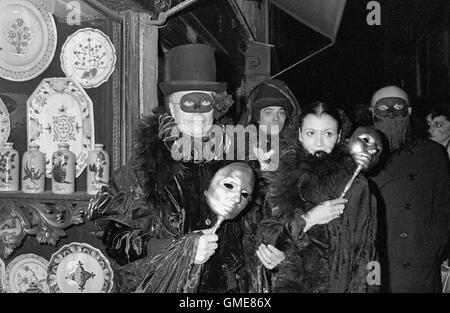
[89, 57]
[27, 273]
[79, 268]
[28, 38]
[5, 124]
[60, 111]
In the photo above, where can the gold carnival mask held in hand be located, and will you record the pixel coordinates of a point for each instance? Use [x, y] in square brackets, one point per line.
[365, 146]
[230, 191]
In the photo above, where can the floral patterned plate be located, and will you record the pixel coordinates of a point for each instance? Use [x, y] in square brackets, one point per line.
[79, 268]
[26, 273]
[28, 38]
[5, 124]
[89, 57]
[60, 111]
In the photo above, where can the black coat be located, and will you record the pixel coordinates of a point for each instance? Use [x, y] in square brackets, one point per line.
[414, 207]
[149, 215]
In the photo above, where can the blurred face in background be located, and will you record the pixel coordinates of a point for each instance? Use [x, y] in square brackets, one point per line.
[439, 129]
[270, 117]
[319, 133]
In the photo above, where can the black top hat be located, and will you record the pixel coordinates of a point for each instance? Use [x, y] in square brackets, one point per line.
[192, 67]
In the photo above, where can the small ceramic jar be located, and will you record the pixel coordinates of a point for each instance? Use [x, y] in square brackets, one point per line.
[33, 170]
[97, 169]
[9, 168]
[63, 170]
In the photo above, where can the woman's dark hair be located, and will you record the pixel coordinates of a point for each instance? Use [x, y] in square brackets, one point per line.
[440, 109]
[319, 108]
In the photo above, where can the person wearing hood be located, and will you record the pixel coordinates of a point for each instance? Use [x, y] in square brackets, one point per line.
[271, 109]
[328, 241]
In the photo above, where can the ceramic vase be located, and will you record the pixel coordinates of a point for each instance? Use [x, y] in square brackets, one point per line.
[97, 169]
[63, 170]
[9, 168]
[33, 170]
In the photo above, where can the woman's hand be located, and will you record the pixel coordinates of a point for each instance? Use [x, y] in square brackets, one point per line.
[270, 256]
[207, 245]
[324, 213]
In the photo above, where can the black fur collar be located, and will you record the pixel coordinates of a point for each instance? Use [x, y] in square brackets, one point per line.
[304, 180]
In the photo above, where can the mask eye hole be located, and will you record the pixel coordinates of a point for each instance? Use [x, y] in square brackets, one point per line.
[188, 103]
[365, 139]
[229, 186]
[245, 195]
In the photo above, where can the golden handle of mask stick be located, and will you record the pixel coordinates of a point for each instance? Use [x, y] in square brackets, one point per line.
[216, 226]
[350, 182]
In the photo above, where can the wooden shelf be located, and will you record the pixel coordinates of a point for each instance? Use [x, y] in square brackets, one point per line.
[43, 215]
[45, 196]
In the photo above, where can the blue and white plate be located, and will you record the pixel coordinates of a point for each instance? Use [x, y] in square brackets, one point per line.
[79, 268]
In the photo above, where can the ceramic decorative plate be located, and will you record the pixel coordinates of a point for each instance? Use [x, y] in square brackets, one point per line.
[5, 124]
[2, 274]
[28, 38]
[89, 57]
[60, 111]
[79, 268]
[26, 273]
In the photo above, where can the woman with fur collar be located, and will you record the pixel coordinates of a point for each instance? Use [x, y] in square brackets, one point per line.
[326, 242]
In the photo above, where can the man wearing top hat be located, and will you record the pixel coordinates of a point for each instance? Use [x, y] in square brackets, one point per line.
[153, 216]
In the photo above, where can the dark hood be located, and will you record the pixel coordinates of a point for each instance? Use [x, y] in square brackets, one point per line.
[279, 85]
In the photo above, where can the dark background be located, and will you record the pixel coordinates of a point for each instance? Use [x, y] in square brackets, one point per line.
[409, 49]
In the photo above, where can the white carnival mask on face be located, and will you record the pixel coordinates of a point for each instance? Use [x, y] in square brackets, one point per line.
[193, 111]
[230, 190]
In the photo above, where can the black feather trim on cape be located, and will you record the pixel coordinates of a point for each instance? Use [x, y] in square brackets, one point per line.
[153, 155]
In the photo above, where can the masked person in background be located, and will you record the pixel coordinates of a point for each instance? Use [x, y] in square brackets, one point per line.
[327, 241]
[155, 218]
[414, 198]
[438, 121]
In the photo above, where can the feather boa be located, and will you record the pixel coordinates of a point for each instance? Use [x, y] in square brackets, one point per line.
[154, 159]
[302, 182]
